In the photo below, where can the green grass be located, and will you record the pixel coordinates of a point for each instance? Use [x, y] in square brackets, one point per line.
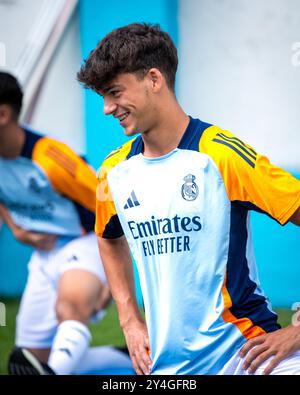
[107, 331]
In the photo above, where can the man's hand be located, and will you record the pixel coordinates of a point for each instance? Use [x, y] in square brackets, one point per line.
[137, 340]
[39, 241]
[279, 345]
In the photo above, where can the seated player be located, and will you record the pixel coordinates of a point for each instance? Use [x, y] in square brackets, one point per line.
[47, 196]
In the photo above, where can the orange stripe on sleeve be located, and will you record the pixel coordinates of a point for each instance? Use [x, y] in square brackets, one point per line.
[105, 207]
[245, 325]
[69, 175]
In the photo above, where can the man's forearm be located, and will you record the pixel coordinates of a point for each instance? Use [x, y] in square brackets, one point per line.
[6, 218]
[119, 271]
[118, 267]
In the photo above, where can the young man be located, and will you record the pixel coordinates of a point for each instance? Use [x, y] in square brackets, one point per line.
[179, 195]
[47, 196]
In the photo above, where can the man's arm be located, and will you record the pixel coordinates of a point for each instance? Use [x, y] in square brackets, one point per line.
[118, 267]
[69, 174]
[295, 218]
[40, 241]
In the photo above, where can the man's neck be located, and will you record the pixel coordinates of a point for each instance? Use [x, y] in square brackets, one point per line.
[12, 138]
[166, 135]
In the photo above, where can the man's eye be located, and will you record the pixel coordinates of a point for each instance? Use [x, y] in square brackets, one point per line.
[115, 93]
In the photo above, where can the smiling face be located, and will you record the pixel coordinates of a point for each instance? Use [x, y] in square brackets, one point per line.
[133, 101]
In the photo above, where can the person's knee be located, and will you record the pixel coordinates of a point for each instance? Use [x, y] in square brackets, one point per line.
[80, 294]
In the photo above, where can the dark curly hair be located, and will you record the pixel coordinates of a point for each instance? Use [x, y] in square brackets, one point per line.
[134, 48]
[11, 92]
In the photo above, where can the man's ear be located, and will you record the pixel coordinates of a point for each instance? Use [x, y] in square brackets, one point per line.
[156, 79]
[6, 114]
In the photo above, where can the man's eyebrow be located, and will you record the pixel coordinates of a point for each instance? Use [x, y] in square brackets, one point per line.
[111, 87]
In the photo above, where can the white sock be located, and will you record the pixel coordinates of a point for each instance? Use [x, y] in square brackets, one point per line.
[70, 343]
[104, 360]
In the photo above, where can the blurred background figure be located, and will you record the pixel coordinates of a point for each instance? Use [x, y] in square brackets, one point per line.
[47, 195]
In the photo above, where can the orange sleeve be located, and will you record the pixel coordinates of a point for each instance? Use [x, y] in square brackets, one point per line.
[105, 207]
[107, 223]
[69, 175]
[249, 177]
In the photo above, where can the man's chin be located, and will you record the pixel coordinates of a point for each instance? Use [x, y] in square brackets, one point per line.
[130, 132]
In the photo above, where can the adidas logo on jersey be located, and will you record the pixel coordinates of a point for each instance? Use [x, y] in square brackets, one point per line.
[131, 201]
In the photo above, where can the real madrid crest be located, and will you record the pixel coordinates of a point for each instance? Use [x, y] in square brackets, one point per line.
[189, 189]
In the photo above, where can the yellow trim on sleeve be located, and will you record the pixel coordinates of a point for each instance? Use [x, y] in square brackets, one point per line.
[249, 176]
[105, 207]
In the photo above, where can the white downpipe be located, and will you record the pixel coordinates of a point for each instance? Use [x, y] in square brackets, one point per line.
[39, 50]
[37, 39]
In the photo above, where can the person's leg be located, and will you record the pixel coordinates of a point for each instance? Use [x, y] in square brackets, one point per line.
[64, 294]
[80, 294]
[50, 294]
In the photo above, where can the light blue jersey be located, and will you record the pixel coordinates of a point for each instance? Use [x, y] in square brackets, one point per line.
[187, 226]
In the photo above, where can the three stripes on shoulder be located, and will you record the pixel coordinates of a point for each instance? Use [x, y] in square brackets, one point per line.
[243, 150]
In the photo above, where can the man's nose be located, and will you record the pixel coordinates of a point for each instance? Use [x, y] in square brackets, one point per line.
[109, 106]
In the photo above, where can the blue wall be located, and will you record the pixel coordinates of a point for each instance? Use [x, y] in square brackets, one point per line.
[277, 251]
[13, 264]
